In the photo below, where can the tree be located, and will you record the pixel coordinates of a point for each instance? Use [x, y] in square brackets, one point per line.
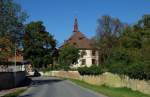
[68, 55]
[5, 48]
[108, 31]
[38, 44]
[132, 56]
[11, 26]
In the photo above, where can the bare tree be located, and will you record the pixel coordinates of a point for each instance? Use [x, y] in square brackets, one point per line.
[108, 31]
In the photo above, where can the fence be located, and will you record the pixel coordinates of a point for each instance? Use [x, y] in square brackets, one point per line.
[11, 68]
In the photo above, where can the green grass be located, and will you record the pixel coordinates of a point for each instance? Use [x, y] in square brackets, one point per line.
[15, 94]
[110, 91]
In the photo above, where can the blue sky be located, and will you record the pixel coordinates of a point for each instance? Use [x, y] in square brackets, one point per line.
[58, 15]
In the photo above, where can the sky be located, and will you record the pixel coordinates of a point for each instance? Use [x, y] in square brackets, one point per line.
[58, 15]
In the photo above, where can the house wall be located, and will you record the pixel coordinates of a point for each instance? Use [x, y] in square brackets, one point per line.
[11, 68]
[88, 57]
[18, 58]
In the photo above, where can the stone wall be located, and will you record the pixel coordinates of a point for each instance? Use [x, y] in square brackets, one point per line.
[66, 74]
[108, 79]
[11, 79]
[114, 80]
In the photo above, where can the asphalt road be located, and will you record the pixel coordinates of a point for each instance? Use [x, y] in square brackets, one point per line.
[55, 87]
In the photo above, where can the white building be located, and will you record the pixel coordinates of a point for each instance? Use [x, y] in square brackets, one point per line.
[21, 65]
[86, 46]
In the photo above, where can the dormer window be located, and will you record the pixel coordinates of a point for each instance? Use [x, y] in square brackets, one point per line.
[74, 43]
[81, 38]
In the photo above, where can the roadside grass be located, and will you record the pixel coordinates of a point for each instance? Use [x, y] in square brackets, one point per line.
[110, 91]
[16, 93]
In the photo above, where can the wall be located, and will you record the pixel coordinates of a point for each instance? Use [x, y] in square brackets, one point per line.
[66, 74]
[114, 80]
[7, 79]
[108, 79]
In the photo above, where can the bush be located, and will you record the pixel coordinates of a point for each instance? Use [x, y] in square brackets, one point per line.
[93, 70]
[139, 71]
[68, 55]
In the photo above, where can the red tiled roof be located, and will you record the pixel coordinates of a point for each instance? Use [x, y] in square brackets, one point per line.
[80, 41]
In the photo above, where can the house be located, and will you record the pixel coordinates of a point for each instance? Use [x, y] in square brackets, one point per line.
[89, 54]
[21, 65]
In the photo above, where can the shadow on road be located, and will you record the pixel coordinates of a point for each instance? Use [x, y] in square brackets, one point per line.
[28, 95]
[40, 81]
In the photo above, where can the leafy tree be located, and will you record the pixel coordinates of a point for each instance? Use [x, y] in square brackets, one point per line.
[11, 26]
[132, 56]
[38, 44]
[5, 48]
[11, 18]
[68, 55]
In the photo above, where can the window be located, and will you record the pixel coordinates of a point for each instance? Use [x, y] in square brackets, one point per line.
[93, 52]
[80, 38]
[93, 61]
[83, 61]
[83, 53]
[74, 43]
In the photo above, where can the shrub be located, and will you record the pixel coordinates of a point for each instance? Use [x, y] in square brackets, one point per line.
[93, 70]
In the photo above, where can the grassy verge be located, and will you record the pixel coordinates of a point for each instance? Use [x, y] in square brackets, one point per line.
[15, 94]
[110, 91]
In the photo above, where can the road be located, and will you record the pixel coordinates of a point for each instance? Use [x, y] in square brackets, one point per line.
[55, 87]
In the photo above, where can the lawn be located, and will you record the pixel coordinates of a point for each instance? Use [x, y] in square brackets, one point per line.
[15, 94]
[110, 91]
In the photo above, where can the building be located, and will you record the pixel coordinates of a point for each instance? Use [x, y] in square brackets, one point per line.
[86, 46]
[21, 65]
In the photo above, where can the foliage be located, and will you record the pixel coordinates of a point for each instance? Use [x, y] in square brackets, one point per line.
[108, 31]
[38, 44]
[93, 70]
[16, 93]
[68, 55]
[11, 26]
[5, 48]
[132, 56]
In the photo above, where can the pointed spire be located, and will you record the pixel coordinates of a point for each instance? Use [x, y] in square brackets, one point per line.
[76, 25]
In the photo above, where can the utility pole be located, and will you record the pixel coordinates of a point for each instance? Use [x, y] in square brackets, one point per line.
[15, 48]
[15, 67]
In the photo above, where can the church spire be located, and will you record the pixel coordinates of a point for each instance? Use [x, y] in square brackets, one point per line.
[76, 25]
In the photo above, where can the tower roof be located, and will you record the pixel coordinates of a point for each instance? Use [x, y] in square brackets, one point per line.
[76, 29]
[78, 39]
